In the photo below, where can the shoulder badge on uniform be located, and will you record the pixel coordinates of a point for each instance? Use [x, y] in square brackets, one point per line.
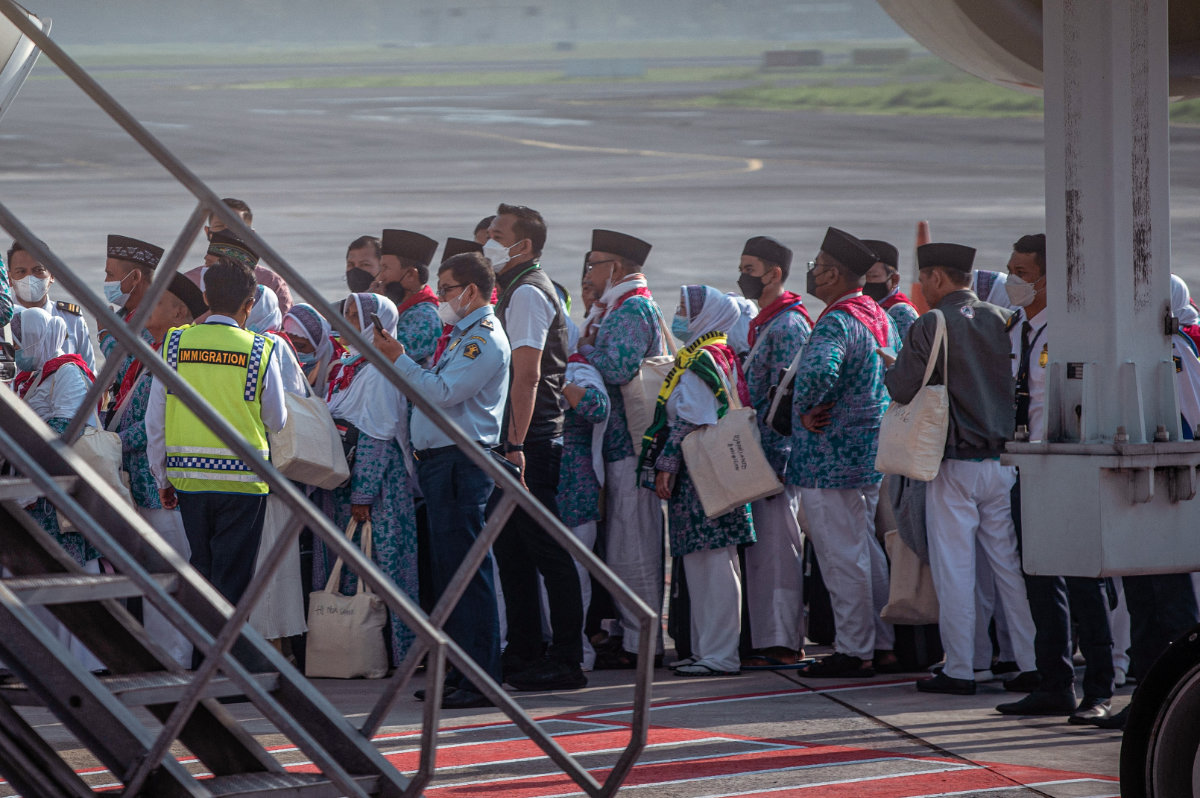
[967, 311]
[1012, 322]
[471, 350]
[478, 338]
[68, 307]
[487, 324]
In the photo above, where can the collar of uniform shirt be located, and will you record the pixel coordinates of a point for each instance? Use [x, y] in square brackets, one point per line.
[472, 317]
[217, 318]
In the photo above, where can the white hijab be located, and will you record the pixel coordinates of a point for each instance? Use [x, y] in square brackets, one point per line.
[371, 402]
[1181, 306]
[39, 334]
[708, 310]
[265, 314]
[305, 321]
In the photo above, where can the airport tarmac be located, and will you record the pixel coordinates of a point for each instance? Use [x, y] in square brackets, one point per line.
[322, 166]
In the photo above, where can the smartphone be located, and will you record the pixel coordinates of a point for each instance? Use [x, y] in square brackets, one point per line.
[378, 324]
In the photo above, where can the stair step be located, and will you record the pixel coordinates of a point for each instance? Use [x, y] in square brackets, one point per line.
[282, 785]
[144, 689]
[77, 588]
[23, 487]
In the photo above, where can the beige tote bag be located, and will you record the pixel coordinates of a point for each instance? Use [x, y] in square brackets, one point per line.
[726, 461]
[641, 393]
[912, 437]
[345, 633]
[912, 600]
[309, 449]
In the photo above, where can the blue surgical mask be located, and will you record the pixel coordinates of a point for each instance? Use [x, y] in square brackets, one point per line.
[679, 327]
[25, 362]
[306, 359]
[114, 294]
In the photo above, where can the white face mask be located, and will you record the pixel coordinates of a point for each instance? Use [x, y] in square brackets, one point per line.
[1020, 293]
[448, 313]
[32, 289]
[496, 253]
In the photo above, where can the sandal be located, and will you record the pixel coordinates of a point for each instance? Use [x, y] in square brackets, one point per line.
[681, 662]
[776, 658]
[699, 669]
[838, 664]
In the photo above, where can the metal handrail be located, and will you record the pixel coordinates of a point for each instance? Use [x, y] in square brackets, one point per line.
[382, 585]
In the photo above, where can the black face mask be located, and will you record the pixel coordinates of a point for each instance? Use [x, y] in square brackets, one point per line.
[751, 286]
[877, 291]
[810, 282]
[394, 291]
[359, 280]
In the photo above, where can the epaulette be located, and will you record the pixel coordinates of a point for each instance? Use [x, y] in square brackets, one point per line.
[1012, 321]
[487, 324]
[68, 307]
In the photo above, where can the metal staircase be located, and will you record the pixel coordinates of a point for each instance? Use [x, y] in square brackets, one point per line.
[182, 708]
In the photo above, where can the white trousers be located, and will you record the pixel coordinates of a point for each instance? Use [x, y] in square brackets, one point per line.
[586, 533]
[968, 505]
[715, 585]
[168, 524]
[853, 565]
[774, 574]
[634, 544]
[1118, 621]
[988, 607]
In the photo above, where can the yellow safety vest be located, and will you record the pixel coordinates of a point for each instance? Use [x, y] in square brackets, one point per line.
[225, 365]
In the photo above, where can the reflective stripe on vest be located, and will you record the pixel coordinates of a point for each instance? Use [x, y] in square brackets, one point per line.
[225, 366]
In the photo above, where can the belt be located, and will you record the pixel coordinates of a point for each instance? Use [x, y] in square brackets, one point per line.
[438, 451]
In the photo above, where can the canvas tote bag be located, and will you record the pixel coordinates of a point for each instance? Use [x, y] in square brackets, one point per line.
[309, 448]
[641, 393]
[726, 461]
[912, 437]
[911, 598]
[345, 633]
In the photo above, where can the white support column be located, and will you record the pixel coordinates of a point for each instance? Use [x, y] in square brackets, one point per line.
[1107, 220]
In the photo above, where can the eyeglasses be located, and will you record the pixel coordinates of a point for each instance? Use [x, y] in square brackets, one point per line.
[442, 290]
[588, 265]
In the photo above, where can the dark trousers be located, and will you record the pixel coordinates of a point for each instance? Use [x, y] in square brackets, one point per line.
[224, 530]
[1052, 602]
[523, 550]
[456, 493]
[1161, 608]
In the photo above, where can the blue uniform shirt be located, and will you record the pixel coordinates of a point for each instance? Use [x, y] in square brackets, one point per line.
[470, 382]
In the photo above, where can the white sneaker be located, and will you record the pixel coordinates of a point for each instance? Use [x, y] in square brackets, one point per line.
[1119, 677]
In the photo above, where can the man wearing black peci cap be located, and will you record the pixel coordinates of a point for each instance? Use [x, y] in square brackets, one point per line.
[883, 285]
[403, 277]
[128, 271]
[837, 405]
[529, 310]
[774, 582]
[224, 244]
[967, 510]
[623, 328]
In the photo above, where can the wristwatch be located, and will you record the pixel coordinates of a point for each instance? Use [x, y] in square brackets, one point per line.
[513, 447]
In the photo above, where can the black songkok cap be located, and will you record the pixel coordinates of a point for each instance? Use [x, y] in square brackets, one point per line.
[848, 251]
[884, 252]
[634, 249]
[189, 294]
[134, 251]
[409, 245]
[226, 245]
[459, 246]
[951, 256]
[768, 249]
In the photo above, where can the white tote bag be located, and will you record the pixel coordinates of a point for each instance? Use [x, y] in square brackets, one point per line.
[309, 449]
[641, 393]
[345, 633]
[726, 461]
[912, 599]
[912, 437]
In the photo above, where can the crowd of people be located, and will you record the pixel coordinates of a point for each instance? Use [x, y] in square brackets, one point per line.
[486, 335]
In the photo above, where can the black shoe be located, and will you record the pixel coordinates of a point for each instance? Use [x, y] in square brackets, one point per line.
[447, 689]
[1090, 710]
[618, 659]
[550, 674]
[1116, 721]
[465, 699]
[511, 664]
[838, 664]
[946, 684]
[1005, 670]
[1024, 682]
[1059, 702]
